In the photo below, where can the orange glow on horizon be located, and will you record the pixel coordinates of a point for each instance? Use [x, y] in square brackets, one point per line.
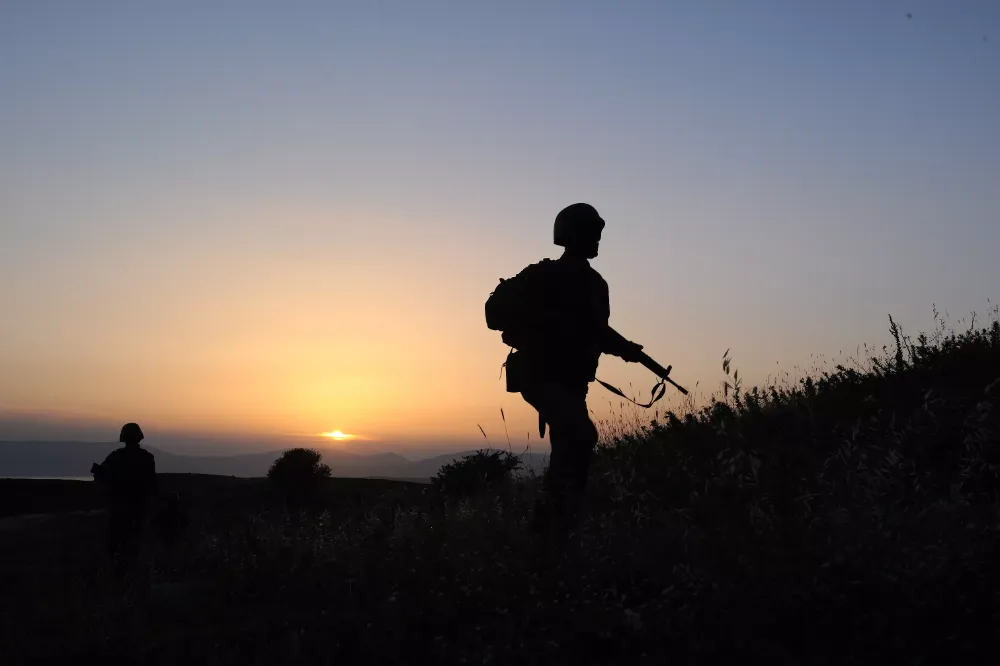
[300, 342]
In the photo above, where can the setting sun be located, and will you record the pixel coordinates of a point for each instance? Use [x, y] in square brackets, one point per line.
[337, 435]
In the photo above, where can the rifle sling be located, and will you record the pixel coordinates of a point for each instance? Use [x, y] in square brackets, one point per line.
[657, 392]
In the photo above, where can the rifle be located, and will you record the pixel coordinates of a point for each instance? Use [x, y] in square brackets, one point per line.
[660, 371]
[658, 390]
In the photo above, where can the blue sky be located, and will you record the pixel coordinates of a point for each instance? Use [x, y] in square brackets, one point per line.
[219, 209]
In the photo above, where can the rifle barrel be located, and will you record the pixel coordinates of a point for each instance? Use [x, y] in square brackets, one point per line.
[660, 371]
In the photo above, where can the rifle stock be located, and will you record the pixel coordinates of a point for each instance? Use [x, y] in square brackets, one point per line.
[660, 371]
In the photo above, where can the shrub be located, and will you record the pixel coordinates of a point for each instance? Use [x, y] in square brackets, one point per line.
[298, 474]
[479, 472]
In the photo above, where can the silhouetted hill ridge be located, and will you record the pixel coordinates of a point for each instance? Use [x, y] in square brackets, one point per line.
[69, 458]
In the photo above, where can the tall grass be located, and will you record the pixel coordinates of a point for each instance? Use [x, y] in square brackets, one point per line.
[849, 516]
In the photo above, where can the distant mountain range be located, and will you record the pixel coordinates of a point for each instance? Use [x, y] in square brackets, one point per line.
[67, 459]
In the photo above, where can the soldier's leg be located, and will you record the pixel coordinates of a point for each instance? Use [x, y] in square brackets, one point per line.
[113, 540]
[580, 437]
[123, 540]
[117, 535]
[540, 521]
[130, 550]
[572, 436]
[558, 474]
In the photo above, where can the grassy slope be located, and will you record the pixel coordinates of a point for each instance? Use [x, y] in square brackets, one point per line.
[849, 519]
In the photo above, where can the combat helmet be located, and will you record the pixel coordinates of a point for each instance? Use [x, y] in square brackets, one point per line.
[577, 224]
[131, 432]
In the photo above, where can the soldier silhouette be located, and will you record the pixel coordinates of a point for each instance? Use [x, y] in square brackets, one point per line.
[555, 314]
[129, 476]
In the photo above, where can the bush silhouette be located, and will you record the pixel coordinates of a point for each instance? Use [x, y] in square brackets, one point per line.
[298, 474]
[476, 473]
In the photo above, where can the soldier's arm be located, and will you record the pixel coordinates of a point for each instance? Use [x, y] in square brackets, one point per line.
[105, 469]
[613, 342]
[616, 344]
[153, 486]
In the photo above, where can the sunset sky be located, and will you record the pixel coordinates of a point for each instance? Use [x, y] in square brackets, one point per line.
[266, 219]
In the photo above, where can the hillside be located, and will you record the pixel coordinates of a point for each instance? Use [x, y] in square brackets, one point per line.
[853, 517]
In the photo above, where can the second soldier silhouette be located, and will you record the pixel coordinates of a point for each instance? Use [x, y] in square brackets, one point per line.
[129, 476]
